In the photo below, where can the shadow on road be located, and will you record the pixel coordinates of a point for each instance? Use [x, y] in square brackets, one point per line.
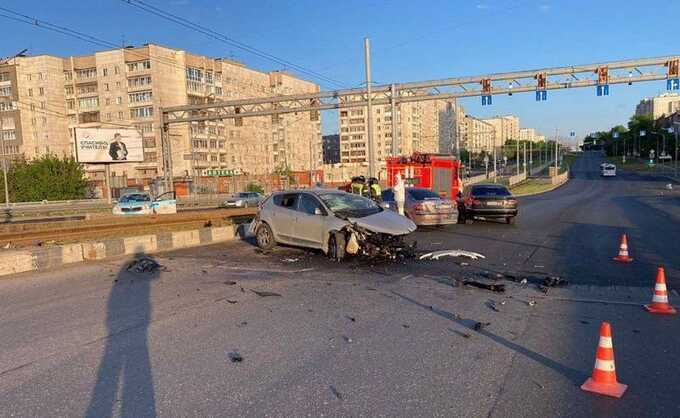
[124, 384]
[573, 375]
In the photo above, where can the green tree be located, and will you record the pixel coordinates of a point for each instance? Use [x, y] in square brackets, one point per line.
[255, 187]
[45, 178]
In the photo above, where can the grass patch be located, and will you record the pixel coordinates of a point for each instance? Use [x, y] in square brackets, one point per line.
[532, 186]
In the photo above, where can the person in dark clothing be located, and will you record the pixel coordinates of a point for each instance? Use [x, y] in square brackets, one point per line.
[117, 149]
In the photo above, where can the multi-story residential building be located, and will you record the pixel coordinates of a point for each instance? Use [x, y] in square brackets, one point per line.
[527, 134]
[479, 135]
[659, 106]
[505, 127]
[420, 128]
[539, 138]
[44, 98]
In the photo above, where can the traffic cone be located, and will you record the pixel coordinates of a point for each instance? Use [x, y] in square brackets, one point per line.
[660, 299]
[623, 251]
[603, 380]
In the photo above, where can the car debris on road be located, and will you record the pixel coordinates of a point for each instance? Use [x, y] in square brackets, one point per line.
[264, 293]
[500, 288]
[436, 255]
[144, 265]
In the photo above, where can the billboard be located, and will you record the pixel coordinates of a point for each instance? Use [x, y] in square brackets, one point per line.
[106, 145]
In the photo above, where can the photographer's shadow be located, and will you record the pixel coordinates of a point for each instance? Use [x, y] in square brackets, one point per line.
[124, 380]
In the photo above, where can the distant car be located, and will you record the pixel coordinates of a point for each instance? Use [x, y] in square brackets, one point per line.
[334, 221]
[243, 200]
[424, 207]
[608, 170]
[489, 201]
[141, 203]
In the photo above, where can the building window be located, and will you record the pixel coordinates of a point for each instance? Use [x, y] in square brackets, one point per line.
[149, 142]
[194, 74]
[105, 71]
[28, 77]
[141, 112]
[142, 96]
[150, 157]
[6, 91]
[139, 66]
[87, 89]
[120, 115]
[30, 92]
[7, 106]
[144, 128]
[108, 101]
[41, 91]
[109, 117]
[69, 90]
[116, 70]
[88, 103]
[139, 81]
[86, 73]
[119, 100]
[4, 77]
[106, 87]
[117, 85]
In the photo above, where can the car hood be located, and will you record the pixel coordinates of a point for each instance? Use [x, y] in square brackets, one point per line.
[132, 204]
[385, 222]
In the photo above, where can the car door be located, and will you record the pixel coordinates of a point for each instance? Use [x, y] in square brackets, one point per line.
[309, 221]
[282, 218]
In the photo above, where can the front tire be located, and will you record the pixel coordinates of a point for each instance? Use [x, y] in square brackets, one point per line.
[510, 220]
[336, 246]
[265, 237]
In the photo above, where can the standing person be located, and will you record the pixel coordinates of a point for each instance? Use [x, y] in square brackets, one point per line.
[375, 190]
[399, 193]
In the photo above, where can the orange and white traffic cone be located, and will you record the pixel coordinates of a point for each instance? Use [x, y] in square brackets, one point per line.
[603, 380]
[623, 251]
[660, 299]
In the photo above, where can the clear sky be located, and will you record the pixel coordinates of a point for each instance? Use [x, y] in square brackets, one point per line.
[411, 41]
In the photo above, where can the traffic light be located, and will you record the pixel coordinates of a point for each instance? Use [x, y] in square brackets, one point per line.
[541, 85]
[486, 90]
[602, 81]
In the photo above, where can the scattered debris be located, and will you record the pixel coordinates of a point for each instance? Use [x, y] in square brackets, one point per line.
[492, 305]
[144, 265]
[669, 186]
[232, 301]
[478, 326]
[675, 292]
[462, 334]
[264, 293]
[406, 277]
[554, 281]
[436, 255]
[636, 331]
[538, 266]
[242, 324]
[335, 392]
[291, 260]
[531, 303]
[204, 271]
[243, 290]
[351, 318]
[492, 287]
[235, 357]
[463, 264]
[229, 282]
[371, 288]
[523, 282]
[538, 384]
[584, 322]
[263, 252]
[406, 325]
[348, 339]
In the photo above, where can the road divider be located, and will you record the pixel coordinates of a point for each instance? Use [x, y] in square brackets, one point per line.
[48, 257]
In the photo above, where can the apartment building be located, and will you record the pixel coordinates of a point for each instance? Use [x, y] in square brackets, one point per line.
[478, 135]
[527, 134]
[420, 128]
[659, 106]
[505, 127]
[44, 98]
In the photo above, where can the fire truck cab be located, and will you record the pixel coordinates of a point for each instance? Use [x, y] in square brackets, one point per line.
[436, 172]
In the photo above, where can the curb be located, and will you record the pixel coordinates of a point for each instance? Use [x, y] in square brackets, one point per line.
[19, 261]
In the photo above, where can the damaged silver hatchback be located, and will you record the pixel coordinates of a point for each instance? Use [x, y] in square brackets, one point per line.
[334, 221]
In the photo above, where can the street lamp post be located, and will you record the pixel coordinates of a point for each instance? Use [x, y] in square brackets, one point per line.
[675, 130]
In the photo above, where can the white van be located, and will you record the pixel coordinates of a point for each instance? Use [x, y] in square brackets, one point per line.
[608, 170]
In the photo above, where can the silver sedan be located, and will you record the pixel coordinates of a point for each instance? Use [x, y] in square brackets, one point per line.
[243, 200]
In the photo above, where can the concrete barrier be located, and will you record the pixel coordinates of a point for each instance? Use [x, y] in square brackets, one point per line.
[516, 179]
[479, 179]
[560, 178]
[44, 258]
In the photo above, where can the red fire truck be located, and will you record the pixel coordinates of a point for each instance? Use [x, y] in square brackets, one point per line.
[436, 172]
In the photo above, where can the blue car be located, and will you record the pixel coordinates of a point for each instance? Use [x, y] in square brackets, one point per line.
[141, 203]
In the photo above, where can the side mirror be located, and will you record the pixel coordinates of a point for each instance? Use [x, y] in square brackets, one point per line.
[317, 211]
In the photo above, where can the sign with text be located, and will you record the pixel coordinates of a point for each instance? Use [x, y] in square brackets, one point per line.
[106, 145]
[222, 172]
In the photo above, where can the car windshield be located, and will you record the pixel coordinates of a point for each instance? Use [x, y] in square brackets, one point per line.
[138, 197]
[349, 204]
[490, 191]
[422, 194]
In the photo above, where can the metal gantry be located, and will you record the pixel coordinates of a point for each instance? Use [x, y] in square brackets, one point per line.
[599, 75]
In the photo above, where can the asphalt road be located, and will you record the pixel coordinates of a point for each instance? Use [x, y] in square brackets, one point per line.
[362, 337]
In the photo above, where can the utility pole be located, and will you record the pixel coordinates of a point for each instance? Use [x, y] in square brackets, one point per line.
[675, 130]
[455, 110]
[557, 134]
[4, 165]
[531, 156]
[369, 108]
[393, 106]
[517, 159]
[525, 157]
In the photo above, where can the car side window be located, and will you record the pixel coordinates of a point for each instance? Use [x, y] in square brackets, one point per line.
[286, 200]
[308, 204]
